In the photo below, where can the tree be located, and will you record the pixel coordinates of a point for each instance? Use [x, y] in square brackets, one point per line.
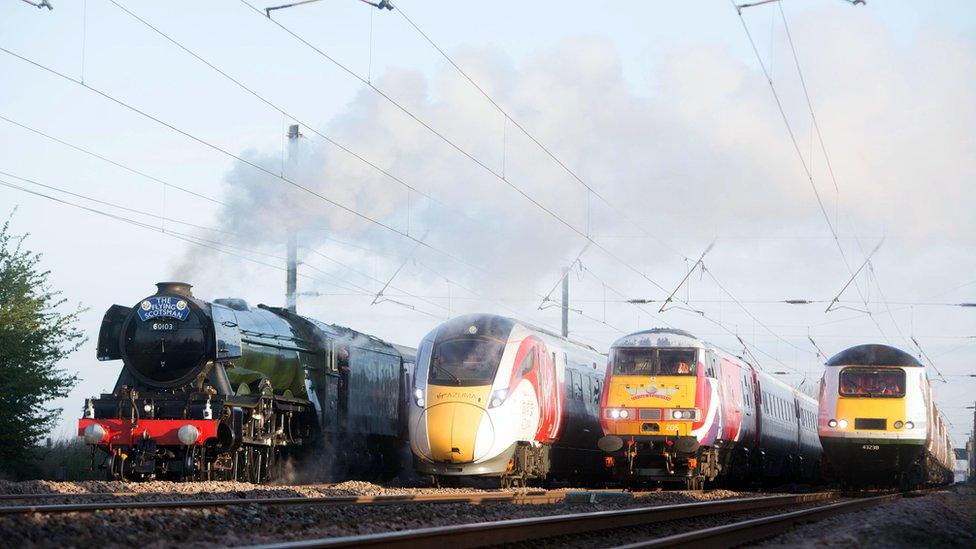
[35, 335]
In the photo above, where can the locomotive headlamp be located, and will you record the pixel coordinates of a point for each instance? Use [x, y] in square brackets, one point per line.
[188, 434]
[832, 423]
[95, 434]
[899, 424]
[418, 397]
[497, 398]
[683, 414]
[624, 414]
[909, 425]
[842, 423]
[147, 408]
[614, 413]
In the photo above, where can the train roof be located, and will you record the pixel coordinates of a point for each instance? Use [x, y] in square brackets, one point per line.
[659, 337]
[873, 355]
[497, 326]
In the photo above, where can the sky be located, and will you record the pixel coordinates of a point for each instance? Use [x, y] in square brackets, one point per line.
[670, 135]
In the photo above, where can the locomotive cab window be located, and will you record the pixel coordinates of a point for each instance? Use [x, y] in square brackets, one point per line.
[654, 362]
[465, 361]
[872, 382]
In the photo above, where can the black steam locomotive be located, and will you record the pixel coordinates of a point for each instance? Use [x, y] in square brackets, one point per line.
[225, 391]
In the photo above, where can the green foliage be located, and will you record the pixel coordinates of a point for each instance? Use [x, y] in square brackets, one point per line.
[66, 459]
[34, 337]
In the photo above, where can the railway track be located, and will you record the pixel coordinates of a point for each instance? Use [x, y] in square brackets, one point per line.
[747, 531]
[526, 497]
[550, 527]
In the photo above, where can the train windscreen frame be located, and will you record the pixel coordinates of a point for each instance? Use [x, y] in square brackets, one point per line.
[655, 361]
[871, 382]
[465, 361]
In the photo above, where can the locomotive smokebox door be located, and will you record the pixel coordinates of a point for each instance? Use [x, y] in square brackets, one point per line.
[227, 332]
[110, 334]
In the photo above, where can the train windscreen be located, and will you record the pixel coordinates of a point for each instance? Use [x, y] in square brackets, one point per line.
[652, 361]
[868, 382]
[465, 361]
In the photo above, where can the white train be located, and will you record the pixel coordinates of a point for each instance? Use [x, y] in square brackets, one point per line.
[878, 421]
[494, 397]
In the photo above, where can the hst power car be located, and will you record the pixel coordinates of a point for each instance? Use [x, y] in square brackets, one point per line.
[878, 421]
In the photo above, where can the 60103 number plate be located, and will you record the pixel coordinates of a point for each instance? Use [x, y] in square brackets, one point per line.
[163, 326]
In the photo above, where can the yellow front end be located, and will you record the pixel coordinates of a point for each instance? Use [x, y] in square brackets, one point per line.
[861, 417]
[454, 418]
[642, 405]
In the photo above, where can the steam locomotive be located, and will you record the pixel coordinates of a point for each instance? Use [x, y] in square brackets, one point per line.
[225, 391]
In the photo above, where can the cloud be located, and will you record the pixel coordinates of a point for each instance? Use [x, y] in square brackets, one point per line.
[701, 152]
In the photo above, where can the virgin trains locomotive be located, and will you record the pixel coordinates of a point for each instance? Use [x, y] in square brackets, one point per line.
[878, 422]
[497, 398]
[224, 390]
[676, 409]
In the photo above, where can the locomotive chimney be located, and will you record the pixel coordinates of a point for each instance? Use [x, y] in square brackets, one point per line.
[178, 288]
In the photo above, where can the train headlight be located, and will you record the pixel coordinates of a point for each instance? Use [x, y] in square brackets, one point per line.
[832, 423]
[614, 413]
[683, 414]
[418, 397]
[624, 414]
[188, 434]
[147, 408]
[899, 424]
[497, 398]
[842, 423]
[94, 433]
[909, 425]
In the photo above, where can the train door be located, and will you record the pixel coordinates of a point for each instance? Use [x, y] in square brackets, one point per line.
[730, 401]
[330, 401]
[552, 396]
[797, 424]
[758, 400]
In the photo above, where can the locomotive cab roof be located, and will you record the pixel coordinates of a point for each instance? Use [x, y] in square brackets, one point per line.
[873, 355]
[659, 337]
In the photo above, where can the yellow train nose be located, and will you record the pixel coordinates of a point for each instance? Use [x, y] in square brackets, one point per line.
[452, 430]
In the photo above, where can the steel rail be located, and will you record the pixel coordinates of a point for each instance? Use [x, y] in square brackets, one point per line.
[531, 497]
[46, 495]
[748, 531]
[482, 534]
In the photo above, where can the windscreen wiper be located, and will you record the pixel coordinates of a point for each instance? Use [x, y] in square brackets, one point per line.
[448, 372]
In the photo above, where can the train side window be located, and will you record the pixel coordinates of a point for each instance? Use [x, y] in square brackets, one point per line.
[577, 385]
[597, 389]
[527, 363]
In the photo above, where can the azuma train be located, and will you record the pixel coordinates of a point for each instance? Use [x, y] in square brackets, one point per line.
[497, 398]
[225, 391]
[675, 409]
[878, 421]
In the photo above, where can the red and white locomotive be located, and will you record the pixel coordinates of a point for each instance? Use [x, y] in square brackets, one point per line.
[677, 409]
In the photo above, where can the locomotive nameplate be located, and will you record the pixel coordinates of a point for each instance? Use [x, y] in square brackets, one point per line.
[163, 307]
